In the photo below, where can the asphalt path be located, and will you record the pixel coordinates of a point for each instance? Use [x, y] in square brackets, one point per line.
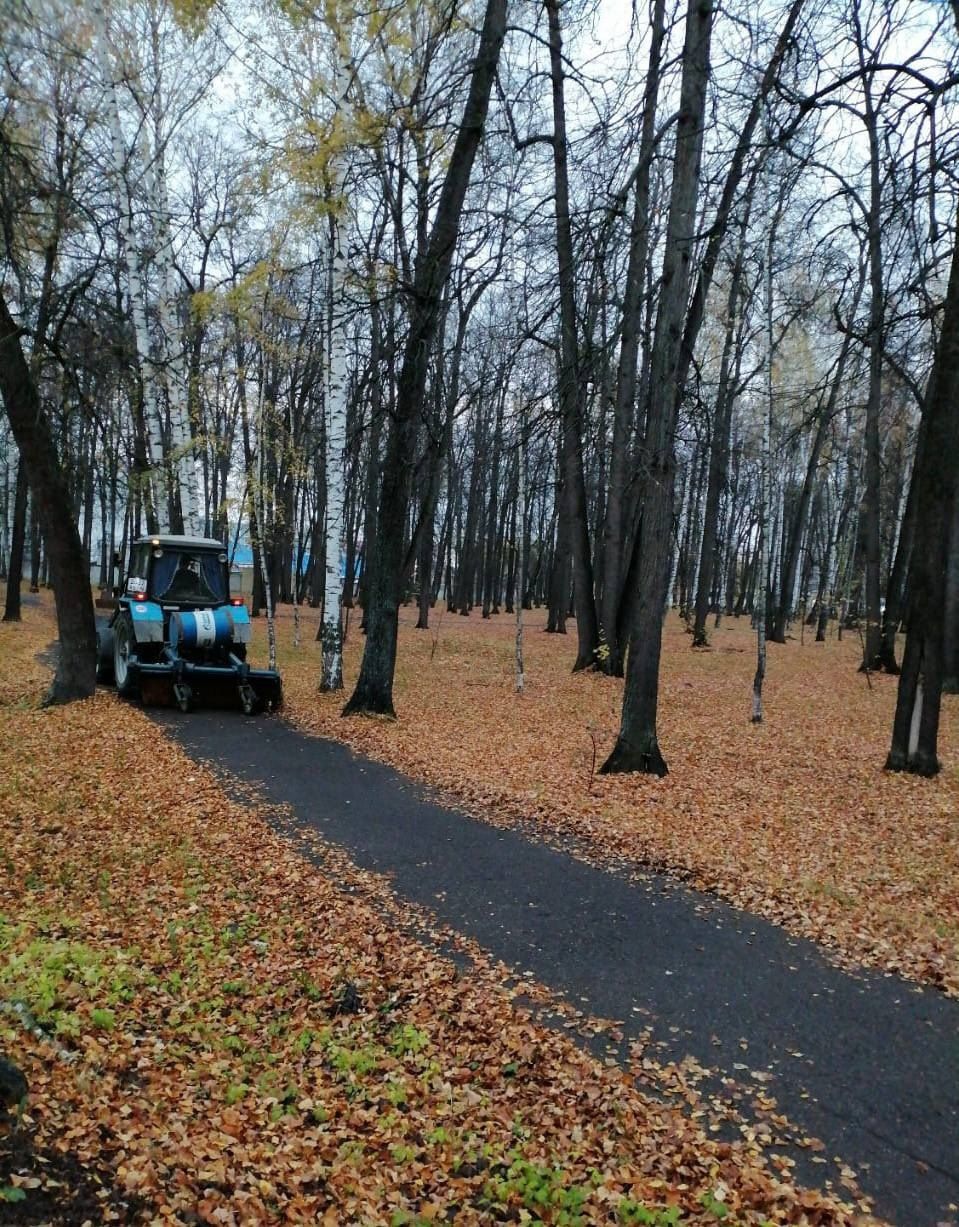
[868, 1063]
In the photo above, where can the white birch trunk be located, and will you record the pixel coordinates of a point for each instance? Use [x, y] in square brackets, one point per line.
[331, 630]
[774, 547]
[795, 595]
[914, 723]
[680, 533]
[172, 337]
[259, 504]
[155, 486]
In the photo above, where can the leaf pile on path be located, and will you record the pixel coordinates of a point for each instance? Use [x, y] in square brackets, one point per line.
[794, 819]
[215, 1030]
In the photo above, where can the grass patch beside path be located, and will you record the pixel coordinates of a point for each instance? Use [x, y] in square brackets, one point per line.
[215, 1031]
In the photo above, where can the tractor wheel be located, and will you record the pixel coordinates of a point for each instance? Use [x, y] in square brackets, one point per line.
[105, 656]
[124, 648]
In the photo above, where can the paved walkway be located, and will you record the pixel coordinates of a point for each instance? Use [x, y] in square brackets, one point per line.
[868, 1063]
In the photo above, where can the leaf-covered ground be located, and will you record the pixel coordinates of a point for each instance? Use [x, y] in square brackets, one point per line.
[794, 819]
[217, 1030]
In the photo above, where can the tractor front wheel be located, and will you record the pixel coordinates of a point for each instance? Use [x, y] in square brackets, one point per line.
[105, 656]
[124, 657]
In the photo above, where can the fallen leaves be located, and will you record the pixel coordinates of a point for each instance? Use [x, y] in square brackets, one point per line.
[249, 1038]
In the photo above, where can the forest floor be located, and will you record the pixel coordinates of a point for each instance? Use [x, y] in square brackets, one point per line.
[216, 1029]
[794, 819]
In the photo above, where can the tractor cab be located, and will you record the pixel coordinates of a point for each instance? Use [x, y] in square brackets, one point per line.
[178, 572]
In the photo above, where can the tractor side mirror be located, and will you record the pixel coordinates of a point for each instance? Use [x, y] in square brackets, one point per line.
[236, 581]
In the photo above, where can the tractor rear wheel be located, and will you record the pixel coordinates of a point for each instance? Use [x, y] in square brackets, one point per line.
[124, 648]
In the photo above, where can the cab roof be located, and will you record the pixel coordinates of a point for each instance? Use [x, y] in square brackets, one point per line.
[181, 543]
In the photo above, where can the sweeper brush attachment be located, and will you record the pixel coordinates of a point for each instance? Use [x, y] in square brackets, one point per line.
[177, 639]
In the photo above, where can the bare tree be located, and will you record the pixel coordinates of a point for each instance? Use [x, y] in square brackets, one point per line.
[374, 687]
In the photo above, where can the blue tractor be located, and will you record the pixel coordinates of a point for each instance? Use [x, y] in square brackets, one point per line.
[177, 636]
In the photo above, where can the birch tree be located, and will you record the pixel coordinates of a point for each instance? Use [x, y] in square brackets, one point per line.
[158, 519]
[331, 631]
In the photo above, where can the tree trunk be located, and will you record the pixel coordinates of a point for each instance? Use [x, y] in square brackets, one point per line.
[719, 446]
[791, 552]
[950, 648]
[374, 687]
[331, 626]
[155, 486]
[916, 726]
[624, 406]
[870, 509]
[559, 572]
[11, 612]
[489, 569]
[896, 587]
[637, 747]
[75, 676]
[574, 488]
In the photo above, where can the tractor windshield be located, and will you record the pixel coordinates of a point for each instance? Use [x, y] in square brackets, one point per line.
[194, 579]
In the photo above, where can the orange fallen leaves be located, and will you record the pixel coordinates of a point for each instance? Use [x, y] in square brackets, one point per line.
[227, 1034]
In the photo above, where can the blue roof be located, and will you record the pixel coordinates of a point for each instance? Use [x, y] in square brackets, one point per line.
[242, 556]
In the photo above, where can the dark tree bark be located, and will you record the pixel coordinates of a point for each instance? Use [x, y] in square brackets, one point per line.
[637, 747]
[374, 687]
[426, 531]
[571, 433]
[896, 587]
[950, 651]
[36, 543]
[707, 267]
[371, 500]
[75, 676]
[737, 168]
[718, 454]
[466, 573]
[801, 511]
[559, 572]
[870, 509]
[18, 536]
[916, 726]
[446, 400]
[490, 598]
[624, 405]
